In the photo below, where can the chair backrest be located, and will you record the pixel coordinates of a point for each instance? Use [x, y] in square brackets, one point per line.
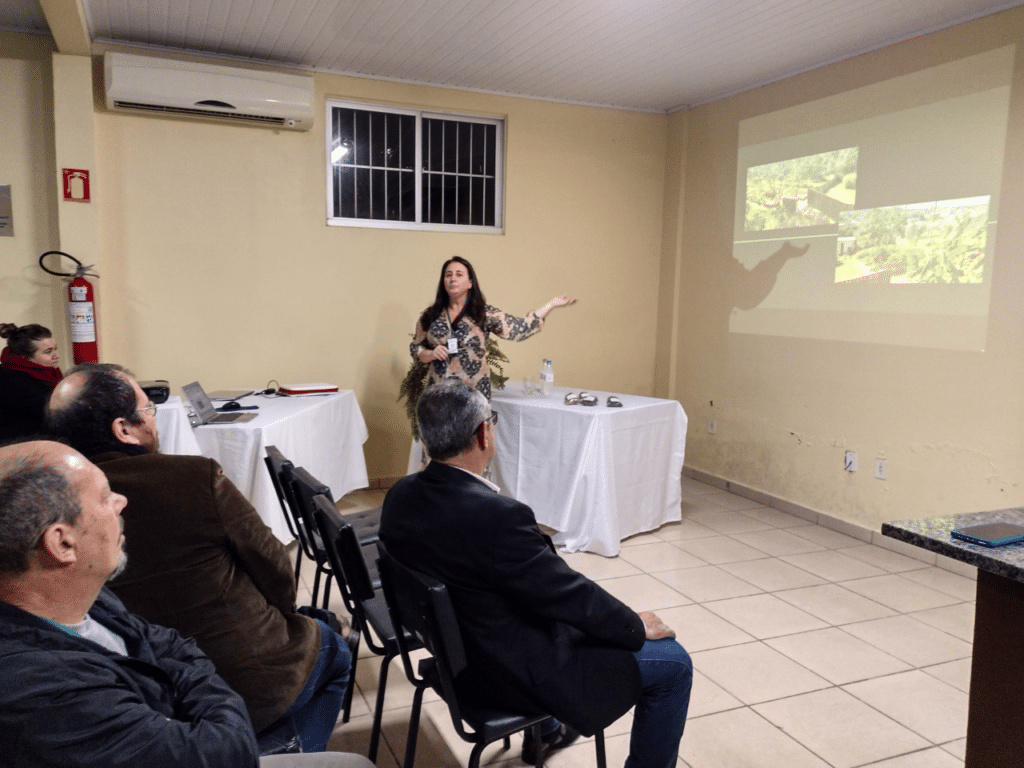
[343, 551]
[420, 604]
[304, 488]
[280, 470]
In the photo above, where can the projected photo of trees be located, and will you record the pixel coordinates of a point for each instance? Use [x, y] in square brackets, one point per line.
[803, 192]
[937, 242]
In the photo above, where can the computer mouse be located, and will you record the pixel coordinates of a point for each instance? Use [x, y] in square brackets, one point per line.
[231, 405]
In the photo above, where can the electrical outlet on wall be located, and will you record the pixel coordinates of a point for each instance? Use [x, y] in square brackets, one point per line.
[712, 426]
[881, 470]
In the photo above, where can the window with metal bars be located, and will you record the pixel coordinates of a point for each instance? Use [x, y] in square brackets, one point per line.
[409, 169]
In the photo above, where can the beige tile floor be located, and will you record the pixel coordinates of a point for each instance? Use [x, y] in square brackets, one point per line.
[811, 648]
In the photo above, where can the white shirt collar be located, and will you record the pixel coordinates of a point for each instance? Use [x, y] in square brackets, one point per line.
[481, 478]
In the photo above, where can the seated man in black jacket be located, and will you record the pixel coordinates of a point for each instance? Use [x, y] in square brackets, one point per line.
[540, 637]
[85, 682]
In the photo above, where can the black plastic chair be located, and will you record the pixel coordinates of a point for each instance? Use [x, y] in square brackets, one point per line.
[366, 523]
[280, 470]
[304, 488]
[363, 601]
[422, 606]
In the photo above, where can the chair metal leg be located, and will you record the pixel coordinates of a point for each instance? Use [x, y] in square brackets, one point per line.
[474, 757]
[353, 646]
[414, 729]
[378, 710]
[599, 746]
[298, 562]
[316, 585]
[327, 590]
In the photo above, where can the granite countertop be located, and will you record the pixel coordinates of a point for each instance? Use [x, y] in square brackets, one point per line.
[933, 534]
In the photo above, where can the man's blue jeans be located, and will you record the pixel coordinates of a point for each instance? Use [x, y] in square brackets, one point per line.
[666, 676]
[314, 712]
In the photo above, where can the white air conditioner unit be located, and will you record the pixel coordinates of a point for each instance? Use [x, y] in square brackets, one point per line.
[145, 84]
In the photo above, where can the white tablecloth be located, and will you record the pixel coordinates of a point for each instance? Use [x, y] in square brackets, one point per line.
[323, 433]
[174, 429]
[595, 474]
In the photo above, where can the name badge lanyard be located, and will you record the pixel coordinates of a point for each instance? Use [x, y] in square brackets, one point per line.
[453, 342]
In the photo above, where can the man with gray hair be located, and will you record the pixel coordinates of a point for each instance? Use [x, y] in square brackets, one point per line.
[87, 684]
[540, 637]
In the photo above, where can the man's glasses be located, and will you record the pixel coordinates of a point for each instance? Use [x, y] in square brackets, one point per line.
[493, 418]
[151, 407]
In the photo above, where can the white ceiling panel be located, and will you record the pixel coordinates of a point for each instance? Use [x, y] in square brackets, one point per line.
[654, 55]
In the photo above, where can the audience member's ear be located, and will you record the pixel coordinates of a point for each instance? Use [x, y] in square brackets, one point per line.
[122, 431]
[58, 542]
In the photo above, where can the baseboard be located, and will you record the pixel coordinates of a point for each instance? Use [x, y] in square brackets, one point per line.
[867, 535]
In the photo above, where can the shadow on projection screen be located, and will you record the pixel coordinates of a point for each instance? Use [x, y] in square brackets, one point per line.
[874, 211]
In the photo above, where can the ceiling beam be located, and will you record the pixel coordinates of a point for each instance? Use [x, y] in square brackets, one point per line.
[68, 26]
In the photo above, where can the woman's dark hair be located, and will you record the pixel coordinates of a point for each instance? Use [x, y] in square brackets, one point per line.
[22, 341]
[475, 307]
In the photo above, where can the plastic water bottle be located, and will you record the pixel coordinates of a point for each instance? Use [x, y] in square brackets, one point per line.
[547, 378]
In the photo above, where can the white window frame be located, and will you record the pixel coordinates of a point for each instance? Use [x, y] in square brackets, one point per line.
[419, 224]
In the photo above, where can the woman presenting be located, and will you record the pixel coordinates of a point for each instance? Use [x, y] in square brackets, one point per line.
[28, 374]
[451, 335]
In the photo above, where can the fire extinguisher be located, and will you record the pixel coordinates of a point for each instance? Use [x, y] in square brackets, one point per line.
[81, 309]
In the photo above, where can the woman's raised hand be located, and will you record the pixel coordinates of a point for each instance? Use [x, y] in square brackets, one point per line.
[557, 301]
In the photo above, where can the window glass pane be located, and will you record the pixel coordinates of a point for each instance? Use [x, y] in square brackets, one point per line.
[436, 145]
[408, 139]
[407, 209]
[362, 185]
[344, 136]
[361, 150]
[377, 142]
[345, 191]
[490, 145]
[478, 152]
[392, 140]
[477, 196]
[489, 202]
[374, 174]
[449, 206]
[451, 147]
[464, 132]
[462, 202]
[431, 198]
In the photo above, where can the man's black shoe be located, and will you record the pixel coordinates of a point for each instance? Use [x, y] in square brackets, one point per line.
[559, 739]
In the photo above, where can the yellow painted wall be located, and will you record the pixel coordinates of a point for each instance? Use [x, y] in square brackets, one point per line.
[27, 165]
[217, 263]
[949, 423]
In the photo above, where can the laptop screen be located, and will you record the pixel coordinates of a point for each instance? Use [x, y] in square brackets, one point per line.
[200, 402]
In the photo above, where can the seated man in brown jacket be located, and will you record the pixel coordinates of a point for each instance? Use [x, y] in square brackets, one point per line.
[201, 561]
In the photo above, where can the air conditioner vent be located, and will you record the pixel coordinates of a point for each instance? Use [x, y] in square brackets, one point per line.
[209, 91]
[199, 112]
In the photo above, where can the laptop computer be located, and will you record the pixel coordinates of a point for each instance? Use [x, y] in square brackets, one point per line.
[203, 409]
